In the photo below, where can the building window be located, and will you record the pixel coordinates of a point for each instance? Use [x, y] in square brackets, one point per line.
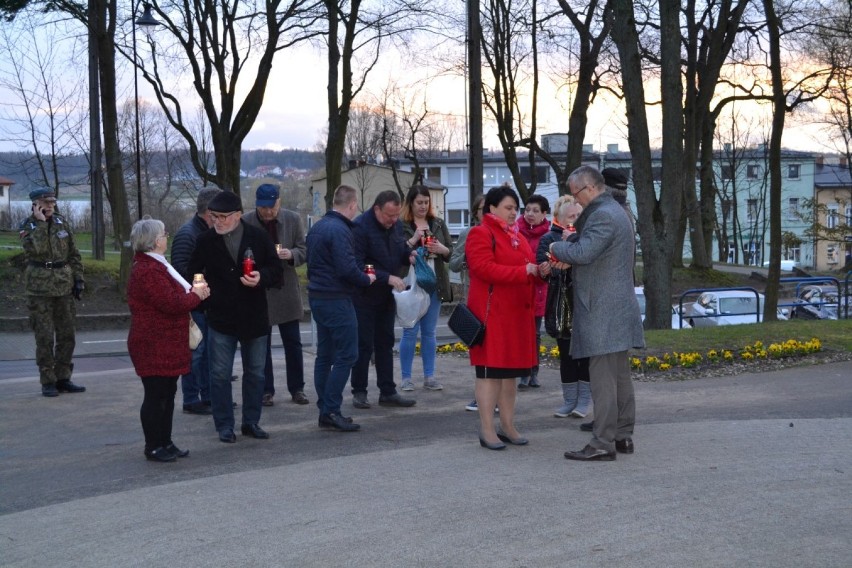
[727, 172]
[848, 214]
[793, 171]
[751, 214]
[831, 254]
[726, 209]
[794, 253]
[434, 174]
[540, 174]
[456, 176]
[831, 216]
[495, 176]
[752, 171]
[793, 209]
[458, 217]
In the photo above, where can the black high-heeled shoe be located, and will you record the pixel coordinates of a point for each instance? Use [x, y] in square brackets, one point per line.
[514, 441]
[490, 446]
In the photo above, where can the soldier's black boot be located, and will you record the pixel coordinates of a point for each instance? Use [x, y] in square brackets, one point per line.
[49, 390]
[67, 386]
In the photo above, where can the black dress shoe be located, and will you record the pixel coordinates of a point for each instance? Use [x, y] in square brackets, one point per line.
[227, 436]
[338, 422]
[396, 399]
[624, 446]
[160, 454]
[197, 408]
[300, 398]
[179, 453]
[49, 390]
[490, 446]
[67, 386]
[254, 431]
[590, 454]
[587, 426]
[514, 441]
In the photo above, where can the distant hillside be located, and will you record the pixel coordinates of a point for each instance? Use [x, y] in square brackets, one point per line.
[23, 167]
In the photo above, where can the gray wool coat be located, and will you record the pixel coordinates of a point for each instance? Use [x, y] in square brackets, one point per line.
[285, 301]
[606, 313]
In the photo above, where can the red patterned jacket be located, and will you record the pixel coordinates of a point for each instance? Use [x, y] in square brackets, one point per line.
[158, 342]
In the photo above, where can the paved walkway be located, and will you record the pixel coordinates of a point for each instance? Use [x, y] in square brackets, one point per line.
[736, 471]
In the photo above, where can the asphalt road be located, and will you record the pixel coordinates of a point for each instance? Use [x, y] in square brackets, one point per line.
[746, 470]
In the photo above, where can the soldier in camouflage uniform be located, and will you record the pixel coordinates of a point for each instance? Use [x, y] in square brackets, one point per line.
[53, 279]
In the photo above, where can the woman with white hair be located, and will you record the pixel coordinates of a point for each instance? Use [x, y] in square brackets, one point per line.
[160, 300]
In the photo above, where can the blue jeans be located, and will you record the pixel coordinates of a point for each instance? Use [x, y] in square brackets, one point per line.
[337, 327]
[375, 341]
[428, 341]
[221, 349]
[291, 339]
[195, 385]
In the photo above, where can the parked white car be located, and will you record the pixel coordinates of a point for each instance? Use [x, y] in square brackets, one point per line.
[786, 265]
[727, 307]
[640, 297]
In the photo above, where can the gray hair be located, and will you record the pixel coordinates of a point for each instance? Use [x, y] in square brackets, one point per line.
[144, 234]
[204, 197]
[587, 175]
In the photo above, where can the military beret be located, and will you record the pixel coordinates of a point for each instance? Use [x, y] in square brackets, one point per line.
[42, 193]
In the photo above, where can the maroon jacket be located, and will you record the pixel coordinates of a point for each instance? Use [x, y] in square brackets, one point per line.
[533, 236]
[158, 342]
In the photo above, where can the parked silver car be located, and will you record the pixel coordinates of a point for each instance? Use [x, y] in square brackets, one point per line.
[818, 302]
[727, 307]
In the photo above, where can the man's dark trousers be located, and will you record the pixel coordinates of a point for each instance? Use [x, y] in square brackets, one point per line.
[375, 337]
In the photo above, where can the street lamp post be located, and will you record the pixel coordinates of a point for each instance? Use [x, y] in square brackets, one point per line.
[148, 21]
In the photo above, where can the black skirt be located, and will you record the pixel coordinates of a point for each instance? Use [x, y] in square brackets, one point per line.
[483, 372]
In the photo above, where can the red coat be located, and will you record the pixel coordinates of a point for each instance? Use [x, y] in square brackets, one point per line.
[510, 326]
[533, 235]
[159, 320]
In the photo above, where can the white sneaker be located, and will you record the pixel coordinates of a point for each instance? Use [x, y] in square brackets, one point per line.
[432, 385]
[407, 385]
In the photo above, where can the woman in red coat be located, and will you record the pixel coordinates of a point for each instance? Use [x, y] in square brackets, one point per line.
[503, 275]
[160, 301]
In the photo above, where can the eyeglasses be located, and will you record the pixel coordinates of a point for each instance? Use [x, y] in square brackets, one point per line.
[220, 216]
[163, 236]
[576, 193]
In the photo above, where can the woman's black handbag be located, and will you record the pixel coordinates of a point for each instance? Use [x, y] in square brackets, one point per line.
[467, 326]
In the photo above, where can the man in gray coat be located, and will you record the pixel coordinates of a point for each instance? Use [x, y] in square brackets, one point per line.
[285, 229]
[607, 321]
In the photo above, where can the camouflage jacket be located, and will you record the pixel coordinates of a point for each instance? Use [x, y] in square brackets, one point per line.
[46, 242]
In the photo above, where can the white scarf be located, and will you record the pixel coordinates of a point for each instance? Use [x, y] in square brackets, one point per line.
[174, 273]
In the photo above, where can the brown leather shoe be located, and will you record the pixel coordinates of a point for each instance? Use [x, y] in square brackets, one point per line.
[624, 446]
[590, 454]
[300, 398]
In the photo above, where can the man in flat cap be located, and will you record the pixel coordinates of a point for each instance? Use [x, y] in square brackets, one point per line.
[53, 279]
[236, 310]
[285, 229]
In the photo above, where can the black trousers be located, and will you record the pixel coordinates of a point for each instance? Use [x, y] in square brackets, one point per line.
[158, 408]
[571, 370]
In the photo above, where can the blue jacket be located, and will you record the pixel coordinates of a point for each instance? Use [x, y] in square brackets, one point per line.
[332, 270]
[385, 249]
[183, 244]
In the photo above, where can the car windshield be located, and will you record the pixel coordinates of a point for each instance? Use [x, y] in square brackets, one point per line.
[738, 306]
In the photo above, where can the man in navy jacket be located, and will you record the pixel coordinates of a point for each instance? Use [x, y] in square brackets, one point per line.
[333, 279]
[236, 310]
[379, 241]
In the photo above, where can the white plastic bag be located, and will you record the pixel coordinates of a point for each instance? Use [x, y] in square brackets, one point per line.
[412, 303]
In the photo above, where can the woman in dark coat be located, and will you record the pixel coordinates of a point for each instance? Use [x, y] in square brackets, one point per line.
[160, 301]
[503, 274]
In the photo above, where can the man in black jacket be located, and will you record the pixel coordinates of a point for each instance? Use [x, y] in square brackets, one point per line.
[236, 310]
[379, 241]
[195, 385]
